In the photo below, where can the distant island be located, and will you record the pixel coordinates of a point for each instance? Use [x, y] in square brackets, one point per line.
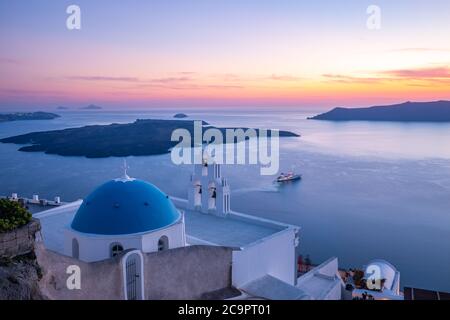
[180, 116]
[436, 111]
[18, 116]
[92, 107]
[142, 137]
[62, 108]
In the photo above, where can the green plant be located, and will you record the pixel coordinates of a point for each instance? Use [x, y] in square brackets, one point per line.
[12, 215]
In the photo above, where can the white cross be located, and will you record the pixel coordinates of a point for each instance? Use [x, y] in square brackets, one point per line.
[125, 168]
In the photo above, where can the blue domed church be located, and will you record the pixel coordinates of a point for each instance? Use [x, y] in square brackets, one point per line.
[124, 214]
[129, 240]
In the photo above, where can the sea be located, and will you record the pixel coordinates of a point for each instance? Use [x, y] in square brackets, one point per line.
[370, 190]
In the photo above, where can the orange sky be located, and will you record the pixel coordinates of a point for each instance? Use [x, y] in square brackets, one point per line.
[269, 53]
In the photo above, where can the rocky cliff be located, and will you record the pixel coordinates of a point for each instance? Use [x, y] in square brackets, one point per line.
[19, 270]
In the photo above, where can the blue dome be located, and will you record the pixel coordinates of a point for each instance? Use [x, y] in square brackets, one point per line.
[125, 207]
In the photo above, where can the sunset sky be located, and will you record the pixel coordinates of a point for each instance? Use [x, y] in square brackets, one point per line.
[222, 53]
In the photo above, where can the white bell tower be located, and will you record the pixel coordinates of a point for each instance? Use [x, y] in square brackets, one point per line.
[208, 191]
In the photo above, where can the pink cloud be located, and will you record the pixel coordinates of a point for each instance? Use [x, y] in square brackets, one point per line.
[130, 79]
[169, 80]
[339, 78]
[9, 61]
[436, 74]
[427, 73]
[420, 49]
[284, 78]
[104, 78]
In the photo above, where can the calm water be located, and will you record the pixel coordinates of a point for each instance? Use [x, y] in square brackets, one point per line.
[370, 190]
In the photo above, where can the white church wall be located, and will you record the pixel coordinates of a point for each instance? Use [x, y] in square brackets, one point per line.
[174, 233]
[274, 255]
[96, 248]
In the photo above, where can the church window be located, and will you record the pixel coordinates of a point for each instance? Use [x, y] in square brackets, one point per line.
[75, 249]
[163, 243]
[116, 249]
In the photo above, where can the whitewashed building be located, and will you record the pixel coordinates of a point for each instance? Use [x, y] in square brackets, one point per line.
[129, 214]
[382, 282]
